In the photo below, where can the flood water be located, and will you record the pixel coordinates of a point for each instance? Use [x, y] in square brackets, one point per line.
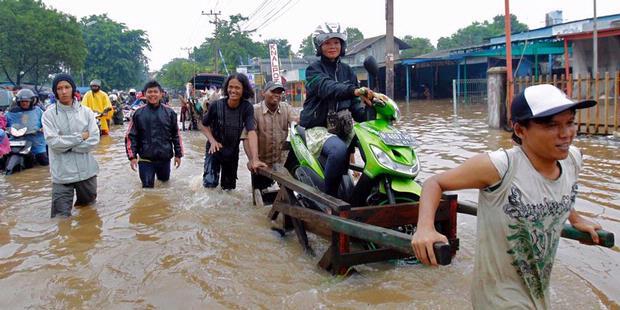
[182, 246]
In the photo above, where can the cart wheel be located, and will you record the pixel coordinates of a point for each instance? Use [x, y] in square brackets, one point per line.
[258, 198]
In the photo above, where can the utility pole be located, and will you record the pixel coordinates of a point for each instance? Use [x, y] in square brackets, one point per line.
[389, 48]
[594, 45]
[216, 44]
[188, 49]
[507, 30]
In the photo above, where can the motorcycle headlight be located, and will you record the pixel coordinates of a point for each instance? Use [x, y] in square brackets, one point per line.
[385, 161]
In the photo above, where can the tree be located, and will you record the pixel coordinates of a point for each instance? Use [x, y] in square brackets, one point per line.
[419, 46]
[306, 48]
[284, 48]
[177, 72]
[234, 43]
[353, 35]
[115, 53]
[40, 42]
[477, 32]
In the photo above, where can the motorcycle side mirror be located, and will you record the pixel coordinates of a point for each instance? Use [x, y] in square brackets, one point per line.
[370, 64]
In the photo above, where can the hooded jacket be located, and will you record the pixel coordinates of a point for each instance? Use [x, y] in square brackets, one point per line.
[329, 82]
[70, 156]
[153, 134]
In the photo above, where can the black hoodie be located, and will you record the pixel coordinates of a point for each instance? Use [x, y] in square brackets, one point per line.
[329, 82]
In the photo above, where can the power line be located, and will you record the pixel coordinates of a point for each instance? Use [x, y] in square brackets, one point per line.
[276, 15]
[262, 13]
[284, 10]
[259, 7]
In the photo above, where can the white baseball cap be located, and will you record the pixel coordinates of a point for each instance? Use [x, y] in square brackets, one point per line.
[543, 100]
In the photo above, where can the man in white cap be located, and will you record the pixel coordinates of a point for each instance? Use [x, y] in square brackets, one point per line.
[98, 101]
[272, 117]
[526, 195]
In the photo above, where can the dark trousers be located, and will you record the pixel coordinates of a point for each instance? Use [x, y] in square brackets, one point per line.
[42, 159]
[62, 195]
[149, 169]
[225, 160]
[337, 163]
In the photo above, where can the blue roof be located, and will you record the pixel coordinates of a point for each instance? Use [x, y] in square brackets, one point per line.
[550, 31]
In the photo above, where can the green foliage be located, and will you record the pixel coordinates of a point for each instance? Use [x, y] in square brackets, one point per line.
[115, 53]
[306, 48]
[419, 46]
[284, 48]
[477, 32]
[177, 72]
[36, 42]
[353, 35]
[236, 46]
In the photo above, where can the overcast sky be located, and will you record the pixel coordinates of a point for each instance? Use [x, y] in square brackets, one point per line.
[174, 25]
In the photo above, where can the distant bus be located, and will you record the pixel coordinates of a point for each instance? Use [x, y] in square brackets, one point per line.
[204, 81]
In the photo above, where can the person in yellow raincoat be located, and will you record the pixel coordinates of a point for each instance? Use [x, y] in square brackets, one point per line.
[98, 101]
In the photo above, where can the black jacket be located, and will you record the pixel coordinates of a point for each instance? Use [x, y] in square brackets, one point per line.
[154, 134]
[329, 83]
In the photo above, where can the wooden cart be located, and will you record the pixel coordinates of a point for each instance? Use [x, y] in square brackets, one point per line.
[350, 228]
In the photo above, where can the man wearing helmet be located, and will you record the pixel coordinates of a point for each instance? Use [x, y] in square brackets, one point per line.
[131, 98]
[27, 114]
[98, 101]
[332, 92]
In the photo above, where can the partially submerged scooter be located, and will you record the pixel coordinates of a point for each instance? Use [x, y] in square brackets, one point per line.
[390, 161]
[20, 149]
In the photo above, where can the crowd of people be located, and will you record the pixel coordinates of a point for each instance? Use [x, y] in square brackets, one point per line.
[528, 190]
[26, 111]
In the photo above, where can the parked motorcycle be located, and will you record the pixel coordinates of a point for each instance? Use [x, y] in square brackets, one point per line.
[20, 157]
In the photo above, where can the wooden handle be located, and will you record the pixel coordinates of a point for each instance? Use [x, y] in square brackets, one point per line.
[443, 253]
[606, 238]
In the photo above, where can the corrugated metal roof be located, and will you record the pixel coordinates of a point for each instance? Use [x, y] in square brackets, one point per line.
[361, 45]
[553, 30]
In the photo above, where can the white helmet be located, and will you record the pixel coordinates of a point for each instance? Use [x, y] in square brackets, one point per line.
[132, 91]
[327, 31]
[113, 97]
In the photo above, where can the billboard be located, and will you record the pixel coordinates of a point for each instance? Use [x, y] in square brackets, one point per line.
[275, 63]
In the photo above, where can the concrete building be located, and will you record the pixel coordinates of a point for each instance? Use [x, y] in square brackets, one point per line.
[375, 46]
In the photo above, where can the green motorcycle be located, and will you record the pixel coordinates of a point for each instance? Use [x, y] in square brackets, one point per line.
[390, 161]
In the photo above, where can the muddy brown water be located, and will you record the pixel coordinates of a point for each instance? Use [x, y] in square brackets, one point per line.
[182, 246]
